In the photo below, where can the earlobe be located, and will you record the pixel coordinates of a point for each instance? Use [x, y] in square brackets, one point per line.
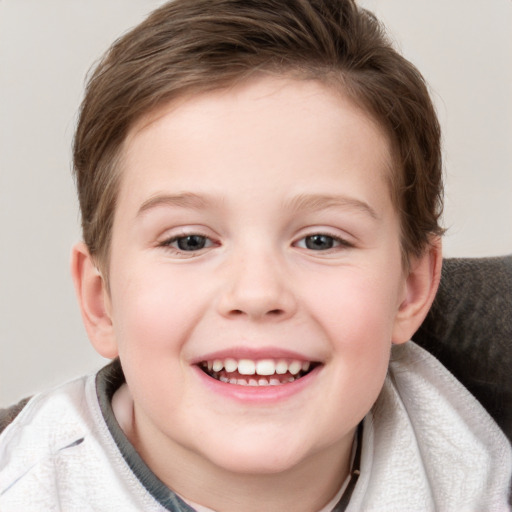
[93, 299]
[421, 286]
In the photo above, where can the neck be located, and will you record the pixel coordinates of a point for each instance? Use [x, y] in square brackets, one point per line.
[274, 494]
[305, 487]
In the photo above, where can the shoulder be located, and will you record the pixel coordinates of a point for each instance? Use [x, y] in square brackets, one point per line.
[435, 399]
[58, 454]
[8, 415]
[44, 440]
[444, 450]
[57, 409]
[450, 448]
[68, 395]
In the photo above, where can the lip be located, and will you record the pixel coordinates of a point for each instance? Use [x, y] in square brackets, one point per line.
[257, 394]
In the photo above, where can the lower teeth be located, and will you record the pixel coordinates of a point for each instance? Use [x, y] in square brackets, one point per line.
[254, 382]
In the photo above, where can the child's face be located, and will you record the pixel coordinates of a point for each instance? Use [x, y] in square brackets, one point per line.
[254, 224]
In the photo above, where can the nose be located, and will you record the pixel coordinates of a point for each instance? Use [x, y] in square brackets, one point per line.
[257, 286]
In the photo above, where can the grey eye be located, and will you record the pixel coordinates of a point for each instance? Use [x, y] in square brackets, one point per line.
[190, 243]
[319, 242]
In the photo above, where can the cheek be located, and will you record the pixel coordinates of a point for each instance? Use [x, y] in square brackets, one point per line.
[357, 311]
[152, 321]
[153, 309]
[356, 315]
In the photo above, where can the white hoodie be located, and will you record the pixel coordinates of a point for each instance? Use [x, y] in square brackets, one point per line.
[427, 445]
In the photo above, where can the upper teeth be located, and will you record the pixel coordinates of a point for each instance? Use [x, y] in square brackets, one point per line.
[260, 367]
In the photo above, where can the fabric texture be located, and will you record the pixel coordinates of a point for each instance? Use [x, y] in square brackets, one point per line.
[8, 415]
[427, 445]
[469, 329]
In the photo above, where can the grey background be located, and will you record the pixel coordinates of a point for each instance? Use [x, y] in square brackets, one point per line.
[463, 48]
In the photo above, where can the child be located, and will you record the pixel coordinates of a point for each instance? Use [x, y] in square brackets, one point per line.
[260, 187]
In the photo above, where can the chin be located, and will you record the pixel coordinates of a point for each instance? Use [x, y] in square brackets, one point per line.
[256, 458]
[262, 464]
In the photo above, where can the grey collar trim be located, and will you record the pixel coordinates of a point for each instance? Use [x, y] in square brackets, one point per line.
[108, 381]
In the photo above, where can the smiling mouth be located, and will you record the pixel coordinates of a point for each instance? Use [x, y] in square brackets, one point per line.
[262, 372]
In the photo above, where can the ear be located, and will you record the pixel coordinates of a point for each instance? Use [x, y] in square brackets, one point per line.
[94, 301]
[421, 283]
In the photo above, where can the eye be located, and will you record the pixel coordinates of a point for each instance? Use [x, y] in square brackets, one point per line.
[321, 242]
[189, 243]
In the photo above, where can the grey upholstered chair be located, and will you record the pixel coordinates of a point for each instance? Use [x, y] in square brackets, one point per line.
[469, 329]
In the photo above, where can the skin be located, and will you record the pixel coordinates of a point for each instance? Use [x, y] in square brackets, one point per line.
[254, 171]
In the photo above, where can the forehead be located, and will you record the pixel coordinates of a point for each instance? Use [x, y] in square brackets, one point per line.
[264, 126]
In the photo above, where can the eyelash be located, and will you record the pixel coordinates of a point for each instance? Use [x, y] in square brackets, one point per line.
[341, 242]
[168, 244]
[338, 243]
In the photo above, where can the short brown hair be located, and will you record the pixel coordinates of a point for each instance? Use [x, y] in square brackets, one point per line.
[191, 46]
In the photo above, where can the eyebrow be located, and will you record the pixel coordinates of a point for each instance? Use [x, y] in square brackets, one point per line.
[186, 200]
[321, 202]
[301, 202]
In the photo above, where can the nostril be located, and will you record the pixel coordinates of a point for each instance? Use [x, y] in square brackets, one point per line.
[272, 312]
